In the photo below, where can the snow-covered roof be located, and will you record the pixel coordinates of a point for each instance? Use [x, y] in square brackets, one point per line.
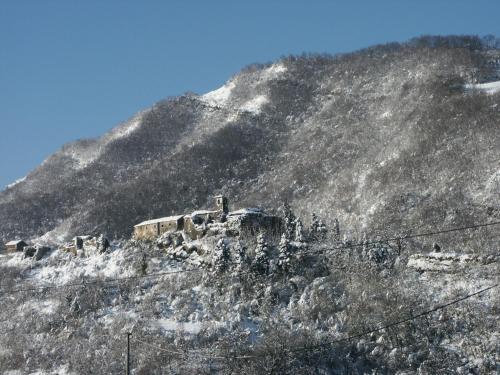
[160, 220]
[488, 87]
[86, 237]
[203, 212]
[15, 242]
[248, 211]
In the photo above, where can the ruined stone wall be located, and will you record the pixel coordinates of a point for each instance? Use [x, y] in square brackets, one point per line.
[170, 226]
[190, 229]
[251, 226]
[146, 232]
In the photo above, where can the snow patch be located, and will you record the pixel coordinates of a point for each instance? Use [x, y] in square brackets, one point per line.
[489, 88]
[172, 325]
[441, 261]
[56, 236]
[83, 156]
[107, 265]
[127, 128]
[18, 181]
[386, 114]
[274, 71]
[247, 211]
[46, 307]
[220, 96]
[254, 105]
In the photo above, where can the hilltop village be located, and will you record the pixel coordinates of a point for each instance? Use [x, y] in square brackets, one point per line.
[201, 234]
[244, 222]
[181, 233]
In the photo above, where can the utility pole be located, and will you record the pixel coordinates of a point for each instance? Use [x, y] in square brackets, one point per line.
[128, 353]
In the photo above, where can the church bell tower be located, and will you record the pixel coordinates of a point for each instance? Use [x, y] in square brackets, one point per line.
[222, 204]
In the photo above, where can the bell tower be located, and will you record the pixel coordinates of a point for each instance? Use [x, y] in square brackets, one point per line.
[221, 204]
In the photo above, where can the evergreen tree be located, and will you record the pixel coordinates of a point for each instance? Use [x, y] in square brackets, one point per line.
[322, 230]
[289, 220]
[318, 230]
[314, 224]
[285, 254]
[299, 231]
[261, 260]
[240, 257]
[221, 257]
[365, 248]
[337, 229]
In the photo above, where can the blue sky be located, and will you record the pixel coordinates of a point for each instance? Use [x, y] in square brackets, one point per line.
[74, 69]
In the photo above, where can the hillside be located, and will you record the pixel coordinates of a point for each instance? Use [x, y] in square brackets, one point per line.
[386, 145]
[395, 136]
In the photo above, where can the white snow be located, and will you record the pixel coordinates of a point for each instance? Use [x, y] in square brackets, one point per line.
[386, 114]
[46, 307]
[12, 243]
[172, 325]
[220, 96]
[112, 265]
[274, 71]
[254, 105]
[439, 261]
[489, 88]
[18, 181]
[127, 128]
[160, 220]
[203, 212]
[62, 370]
[58, 235]
[85, 156]
[246, 211]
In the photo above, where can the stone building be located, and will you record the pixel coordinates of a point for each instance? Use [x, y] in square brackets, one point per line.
[151, 229]
[245, 222]
[80, 241]
[14, 246]
[251, 221]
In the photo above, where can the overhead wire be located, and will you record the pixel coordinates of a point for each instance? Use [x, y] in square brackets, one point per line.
[332, 342]
[198, 269]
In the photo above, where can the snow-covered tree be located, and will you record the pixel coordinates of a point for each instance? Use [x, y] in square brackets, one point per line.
[314, 223]
[365, 248]
[285, 254]
[318, 230]
[261, 260]
[347, 241]
[289, 220]
[221, 257]
[102, 243]
[337, 229]
[299, 231]
[240, 256]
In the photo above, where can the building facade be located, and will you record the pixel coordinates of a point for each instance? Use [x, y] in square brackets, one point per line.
[150, 229]
[245, 222]
[14, 246]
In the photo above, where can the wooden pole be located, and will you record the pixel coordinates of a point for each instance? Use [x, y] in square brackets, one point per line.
[128, 353]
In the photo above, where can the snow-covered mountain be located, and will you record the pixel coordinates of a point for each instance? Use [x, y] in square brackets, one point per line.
[387, 141]
[393, 136]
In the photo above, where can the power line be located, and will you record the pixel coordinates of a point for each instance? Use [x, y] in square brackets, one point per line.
[328, 343]
[398, 322]
[93, 282]
[410, 236]
[198, 269]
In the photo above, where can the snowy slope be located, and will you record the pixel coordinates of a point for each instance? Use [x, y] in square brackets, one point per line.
[329, 134]
[488, 87]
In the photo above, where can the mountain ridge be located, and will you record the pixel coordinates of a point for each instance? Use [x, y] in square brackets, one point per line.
[328, 134]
